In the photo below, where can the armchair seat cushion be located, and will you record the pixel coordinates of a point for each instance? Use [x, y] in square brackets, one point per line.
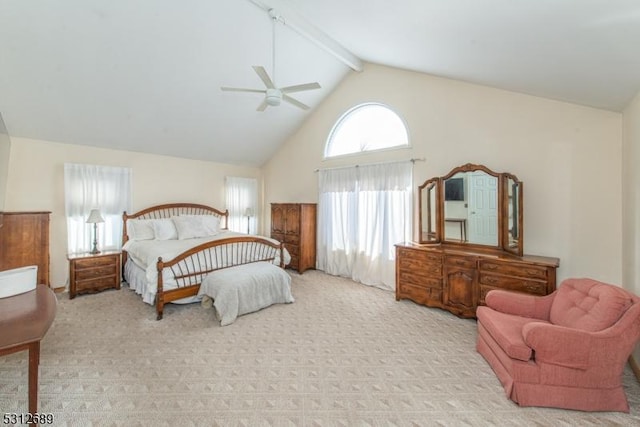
[506, 330]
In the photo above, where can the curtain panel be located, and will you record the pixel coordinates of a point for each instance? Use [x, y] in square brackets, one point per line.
[242, 199]
[363, 212]
[86, 187]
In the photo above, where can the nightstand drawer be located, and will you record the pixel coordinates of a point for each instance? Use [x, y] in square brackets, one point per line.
[97, 284]
[94, 272]
[94, 262]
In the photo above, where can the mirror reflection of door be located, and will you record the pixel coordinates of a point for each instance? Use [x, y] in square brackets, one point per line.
[483, 208]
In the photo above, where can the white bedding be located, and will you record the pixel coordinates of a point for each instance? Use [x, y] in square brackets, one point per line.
[145, 253]
[246, 288]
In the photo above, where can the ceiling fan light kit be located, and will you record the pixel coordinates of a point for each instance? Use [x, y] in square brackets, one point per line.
[273, 97]
[273, 94]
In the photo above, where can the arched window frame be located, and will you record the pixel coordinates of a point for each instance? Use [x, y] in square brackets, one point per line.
[345, 117]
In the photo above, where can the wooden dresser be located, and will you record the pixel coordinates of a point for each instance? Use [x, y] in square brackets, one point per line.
[294, 224]
[24, 241]
[458, 279]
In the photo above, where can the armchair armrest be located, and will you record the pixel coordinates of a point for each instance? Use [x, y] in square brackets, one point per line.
[520, 304]
[559, 345]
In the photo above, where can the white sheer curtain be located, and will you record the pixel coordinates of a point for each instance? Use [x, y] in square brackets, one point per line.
[242, 194]
[89, 187]
[363, 212]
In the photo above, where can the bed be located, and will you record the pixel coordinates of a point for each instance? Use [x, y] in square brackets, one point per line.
[169, 249]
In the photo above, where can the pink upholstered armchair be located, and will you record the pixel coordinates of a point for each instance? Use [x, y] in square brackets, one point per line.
[567, 349]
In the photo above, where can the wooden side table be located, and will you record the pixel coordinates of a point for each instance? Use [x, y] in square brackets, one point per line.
[24, 321]
[463, 227]
[89, 273]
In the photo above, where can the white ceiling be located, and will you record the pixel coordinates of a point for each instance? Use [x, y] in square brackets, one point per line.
[145, 75]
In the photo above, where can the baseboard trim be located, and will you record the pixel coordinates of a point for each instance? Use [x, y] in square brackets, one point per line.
[635, 367]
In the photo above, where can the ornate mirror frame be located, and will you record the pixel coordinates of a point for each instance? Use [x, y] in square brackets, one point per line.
[507, 197]
[429, 212]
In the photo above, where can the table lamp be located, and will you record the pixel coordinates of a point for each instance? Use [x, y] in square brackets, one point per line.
[95, 218]
[248, 213]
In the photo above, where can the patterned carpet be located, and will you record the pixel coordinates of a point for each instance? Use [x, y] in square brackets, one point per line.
[342, 355]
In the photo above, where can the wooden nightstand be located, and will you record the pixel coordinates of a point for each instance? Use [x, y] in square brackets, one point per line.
[93, 273]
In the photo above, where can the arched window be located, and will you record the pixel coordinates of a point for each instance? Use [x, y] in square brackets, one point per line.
[366, 127]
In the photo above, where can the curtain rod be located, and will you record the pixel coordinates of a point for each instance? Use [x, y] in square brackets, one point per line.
[371, 164]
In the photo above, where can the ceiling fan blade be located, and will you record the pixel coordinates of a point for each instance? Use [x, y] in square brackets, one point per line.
[262, 106]
[300, 88]
[262, 73]
[241, 89]
[295, 102]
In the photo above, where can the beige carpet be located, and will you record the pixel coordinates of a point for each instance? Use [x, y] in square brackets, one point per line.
[342, 355]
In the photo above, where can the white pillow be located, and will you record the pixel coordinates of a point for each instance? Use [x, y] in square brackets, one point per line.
[164, 229]
[140, 229]
[193, 226]
[189, 227]
[211, 224]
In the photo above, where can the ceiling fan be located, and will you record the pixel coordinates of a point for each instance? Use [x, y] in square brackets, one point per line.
[274, 95]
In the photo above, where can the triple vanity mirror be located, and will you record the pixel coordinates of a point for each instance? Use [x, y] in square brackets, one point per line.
[472, 206]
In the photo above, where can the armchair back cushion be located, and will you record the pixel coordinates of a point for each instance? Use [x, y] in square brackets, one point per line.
[588, 305]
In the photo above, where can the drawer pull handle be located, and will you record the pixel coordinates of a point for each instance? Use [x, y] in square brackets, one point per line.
[490, 266]
[532, 272]
[491, 280]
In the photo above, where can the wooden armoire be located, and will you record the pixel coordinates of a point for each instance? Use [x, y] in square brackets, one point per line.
[24, 241]
[294, 224]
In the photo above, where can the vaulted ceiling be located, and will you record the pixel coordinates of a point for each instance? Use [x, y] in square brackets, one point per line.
[145, 75]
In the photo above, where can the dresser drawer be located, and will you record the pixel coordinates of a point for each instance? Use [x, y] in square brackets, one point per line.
[419, 256]
[460, 261]
[409, 277]
[425, 296]
[513, 284]
[514, 269]
[426, 269]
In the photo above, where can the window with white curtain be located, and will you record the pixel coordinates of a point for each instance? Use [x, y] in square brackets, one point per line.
[242, 203]
[362, 213]
[87, 187]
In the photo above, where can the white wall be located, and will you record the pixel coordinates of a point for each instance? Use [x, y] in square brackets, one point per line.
[5, 149]
[36, 182]
[631, 200]
[568, 156]
[631, 196]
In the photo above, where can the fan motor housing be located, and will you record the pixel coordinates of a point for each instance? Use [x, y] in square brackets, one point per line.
[274, 97]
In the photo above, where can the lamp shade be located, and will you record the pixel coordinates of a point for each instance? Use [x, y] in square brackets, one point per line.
[95, 217]
[248, 212]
